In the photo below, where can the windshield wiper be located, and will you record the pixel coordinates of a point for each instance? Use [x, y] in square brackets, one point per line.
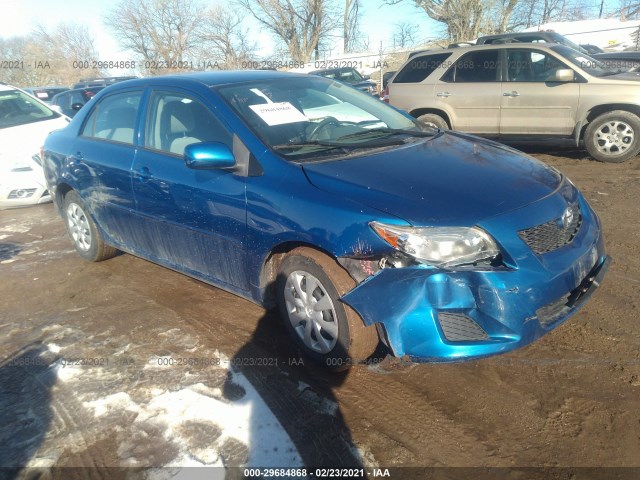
[390, 131]
[338, 145]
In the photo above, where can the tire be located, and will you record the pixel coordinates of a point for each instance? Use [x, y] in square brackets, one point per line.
[434, 120]
[613, 137]
[83, 231]
[334, 337]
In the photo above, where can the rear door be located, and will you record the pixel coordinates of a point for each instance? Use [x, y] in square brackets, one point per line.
[471, 90]
[532, 102]
[192, 220]
[104, 153]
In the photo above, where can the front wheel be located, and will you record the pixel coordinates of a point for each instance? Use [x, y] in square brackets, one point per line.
[83, 230]
[613, 137]
[434, 121]
[309, 287]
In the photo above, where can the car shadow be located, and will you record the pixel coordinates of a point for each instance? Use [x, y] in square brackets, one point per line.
[551, 146]
[9, 250]
[299, 393]
[26, 378]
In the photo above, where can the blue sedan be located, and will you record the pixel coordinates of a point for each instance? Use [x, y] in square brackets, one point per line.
[360, 223]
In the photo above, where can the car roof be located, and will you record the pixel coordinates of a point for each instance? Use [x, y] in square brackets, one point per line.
[208, 78]
[541, 34]
[492, 46]
[6, 88]
[329, 70]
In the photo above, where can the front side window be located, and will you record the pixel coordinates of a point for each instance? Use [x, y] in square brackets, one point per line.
[532, 66]
[474, 67]
[18, 108]
[114, 118]
[176, 121]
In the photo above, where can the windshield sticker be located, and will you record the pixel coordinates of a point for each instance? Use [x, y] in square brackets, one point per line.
[278, 113]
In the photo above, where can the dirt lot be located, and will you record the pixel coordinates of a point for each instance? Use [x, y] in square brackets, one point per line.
[125, 363]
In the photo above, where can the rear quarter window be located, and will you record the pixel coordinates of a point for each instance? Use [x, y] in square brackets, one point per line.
[419, 68]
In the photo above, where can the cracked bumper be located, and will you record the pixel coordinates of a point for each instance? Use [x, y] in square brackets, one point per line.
[441, 316]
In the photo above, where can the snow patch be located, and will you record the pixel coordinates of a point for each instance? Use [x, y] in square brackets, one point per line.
[117, 401]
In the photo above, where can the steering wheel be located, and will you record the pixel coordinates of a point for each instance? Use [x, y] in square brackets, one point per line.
[324, 123]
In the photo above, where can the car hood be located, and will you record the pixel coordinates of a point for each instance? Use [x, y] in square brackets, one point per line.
[450, 179]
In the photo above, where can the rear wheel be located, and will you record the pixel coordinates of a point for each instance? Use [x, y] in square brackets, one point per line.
[83, 231]
[613, 137]
[309, 287]
[433, 120]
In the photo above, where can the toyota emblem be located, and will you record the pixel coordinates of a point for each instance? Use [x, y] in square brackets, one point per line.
[567, 217]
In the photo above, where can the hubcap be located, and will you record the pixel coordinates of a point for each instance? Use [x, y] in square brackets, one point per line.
[79, 227]
[614, 137]
[311, 311]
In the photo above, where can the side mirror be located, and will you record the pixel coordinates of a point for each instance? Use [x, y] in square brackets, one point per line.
[366, 77]
[208, 156]
[76, 106]
[563, 75]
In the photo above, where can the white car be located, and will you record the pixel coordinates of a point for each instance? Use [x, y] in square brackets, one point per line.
[24, 124]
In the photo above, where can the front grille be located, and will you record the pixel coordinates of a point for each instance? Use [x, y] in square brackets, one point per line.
[553, 234]
[457, 327]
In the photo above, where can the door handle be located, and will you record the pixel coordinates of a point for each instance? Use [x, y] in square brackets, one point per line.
[443, 94]
[144, 174]
[511, 94]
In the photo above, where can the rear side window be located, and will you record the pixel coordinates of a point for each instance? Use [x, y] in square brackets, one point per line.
[114, 118]
[479, 66]
[421, 67]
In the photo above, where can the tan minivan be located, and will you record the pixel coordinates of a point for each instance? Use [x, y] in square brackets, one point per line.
[524, 90]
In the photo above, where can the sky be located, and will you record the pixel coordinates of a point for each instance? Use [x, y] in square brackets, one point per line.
[20, 16]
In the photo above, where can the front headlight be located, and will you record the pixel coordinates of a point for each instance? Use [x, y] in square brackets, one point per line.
[439, 246]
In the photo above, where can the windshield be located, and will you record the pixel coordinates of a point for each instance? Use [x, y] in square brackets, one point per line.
[307, 117]
[583, 61]
[18, 108]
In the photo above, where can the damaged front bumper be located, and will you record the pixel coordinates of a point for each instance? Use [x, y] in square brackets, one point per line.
[435, 315]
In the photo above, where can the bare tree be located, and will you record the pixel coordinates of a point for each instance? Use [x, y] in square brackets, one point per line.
[467, 19]
[162, 32]
[352, 37]
[301, 24]
[223, 37]
[57, 57]
[404, 34]
[629, 9]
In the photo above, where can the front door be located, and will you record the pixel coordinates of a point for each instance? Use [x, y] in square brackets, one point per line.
[194, 220]
[532, 101]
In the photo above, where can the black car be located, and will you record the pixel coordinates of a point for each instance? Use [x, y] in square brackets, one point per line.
[620, 61]
[71, 101]
[100, 82]
[44, 94]
[350, 76]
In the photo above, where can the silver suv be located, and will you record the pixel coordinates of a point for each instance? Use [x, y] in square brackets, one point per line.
[516, 90]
